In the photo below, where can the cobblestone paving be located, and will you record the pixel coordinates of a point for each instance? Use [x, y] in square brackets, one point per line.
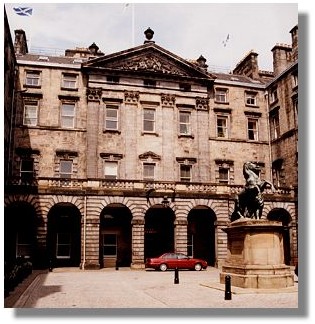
[126, 288]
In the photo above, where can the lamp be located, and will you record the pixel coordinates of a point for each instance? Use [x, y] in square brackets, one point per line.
[165, 202]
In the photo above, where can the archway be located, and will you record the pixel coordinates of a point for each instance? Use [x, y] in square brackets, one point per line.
[64, 235]
[115, 236]
[19, 232]
[281, 215]
[158, 231]
[201, 234]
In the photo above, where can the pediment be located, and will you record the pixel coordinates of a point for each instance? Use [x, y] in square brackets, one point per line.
[148, 58]
[149, 156]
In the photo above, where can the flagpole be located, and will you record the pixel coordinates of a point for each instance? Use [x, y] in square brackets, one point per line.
[133, 24]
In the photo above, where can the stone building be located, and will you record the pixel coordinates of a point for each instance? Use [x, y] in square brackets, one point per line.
[125, 156]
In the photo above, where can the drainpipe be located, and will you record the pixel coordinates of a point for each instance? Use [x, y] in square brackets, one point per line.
[84, 233]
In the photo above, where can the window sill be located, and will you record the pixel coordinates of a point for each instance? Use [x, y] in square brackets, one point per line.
[150, 133]
[186, 136]
[112, 131]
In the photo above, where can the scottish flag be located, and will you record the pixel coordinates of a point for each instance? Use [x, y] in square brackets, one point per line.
[23, 11]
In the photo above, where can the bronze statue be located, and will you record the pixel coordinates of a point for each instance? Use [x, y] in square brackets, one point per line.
[250, 202]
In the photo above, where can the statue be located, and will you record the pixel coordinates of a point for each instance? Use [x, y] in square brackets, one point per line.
[250, 202]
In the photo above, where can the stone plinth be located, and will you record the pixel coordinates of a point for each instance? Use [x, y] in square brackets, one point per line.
[255, 256]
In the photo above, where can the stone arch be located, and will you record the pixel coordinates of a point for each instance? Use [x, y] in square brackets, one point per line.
[20, 230]
[62, 199]
[64, 233]
[115, 235]
[201, 233]
[283, 216]
[30, 199]
[159, 230]
[289, 207]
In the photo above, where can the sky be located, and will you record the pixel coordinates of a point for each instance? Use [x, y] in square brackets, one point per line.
[189, 30]
[185, 29]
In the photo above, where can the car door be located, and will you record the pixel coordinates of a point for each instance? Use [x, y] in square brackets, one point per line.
[182, 261]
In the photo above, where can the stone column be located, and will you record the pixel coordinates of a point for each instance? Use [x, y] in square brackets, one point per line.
[180, 235]
[137, 244]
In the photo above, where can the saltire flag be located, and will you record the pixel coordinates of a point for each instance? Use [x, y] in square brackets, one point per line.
[23, 11]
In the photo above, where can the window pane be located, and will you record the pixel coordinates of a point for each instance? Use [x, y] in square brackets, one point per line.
[148, 126]
[65, 168]
[111, 170]
[68, 110]
[148, 171]
[149, 114]
[30, 114]
[111, 113]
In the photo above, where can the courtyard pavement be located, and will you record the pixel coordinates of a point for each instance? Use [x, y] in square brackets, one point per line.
[110, 289]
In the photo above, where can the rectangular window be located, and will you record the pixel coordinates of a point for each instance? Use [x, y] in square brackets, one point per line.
[67, 115]
[223, 175]
[148, 120]
[112, 79]
[111, 117]
[222, 126]
[294, 80]
[30, 113]
[252, 129]
[110, 245]
[149, 83]
[184, 87]
[184, 123]
[296, 111]
[23, 245]
[111, 170]
[250, 98]
[63, 249]
[32, 79]
[185, 173]
[275, 125]
[273, 95]
[27, 169]
[221, 95]
[190, 245]
[148, 171]
[65, 168]
[69, 81]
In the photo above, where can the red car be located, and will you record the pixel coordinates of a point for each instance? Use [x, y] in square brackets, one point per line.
[175, 260]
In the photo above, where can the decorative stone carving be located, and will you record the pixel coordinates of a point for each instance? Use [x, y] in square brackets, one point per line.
[202, 103]
[94, 94]
[168, 100]
[131, 96]
[149, 62]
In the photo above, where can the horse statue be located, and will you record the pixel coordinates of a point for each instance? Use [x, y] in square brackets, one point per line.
[250, 202]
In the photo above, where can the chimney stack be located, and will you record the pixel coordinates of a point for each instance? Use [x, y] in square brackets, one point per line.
[20, 43]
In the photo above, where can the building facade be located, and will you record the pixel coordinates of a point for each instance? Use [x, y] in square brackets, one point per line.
[129, 155]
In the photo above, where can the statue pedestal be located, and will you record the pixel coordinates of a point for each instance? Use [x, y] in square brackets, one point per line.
[255, 255]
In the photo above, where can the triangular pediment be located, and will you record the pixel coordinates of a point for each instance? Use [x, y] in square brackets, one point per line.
[148, 58]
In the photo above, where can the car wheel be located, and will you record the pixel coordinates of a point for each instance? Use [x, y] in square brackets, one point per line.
[163, 267]
[198, 267]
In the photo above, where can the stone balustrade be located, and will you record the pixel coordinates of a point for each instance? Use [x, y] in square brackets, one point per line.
[133, 185]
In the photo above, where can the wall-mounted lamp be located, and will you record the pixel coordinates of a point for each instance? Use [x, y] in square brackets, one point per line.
[165, 202]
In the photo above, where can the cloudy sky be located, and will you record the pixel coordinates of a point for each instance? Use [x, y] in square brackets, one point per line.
[186, 29]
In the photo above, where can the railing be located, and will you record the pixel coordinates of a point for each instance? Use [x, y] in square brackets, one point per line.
[133, 185]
